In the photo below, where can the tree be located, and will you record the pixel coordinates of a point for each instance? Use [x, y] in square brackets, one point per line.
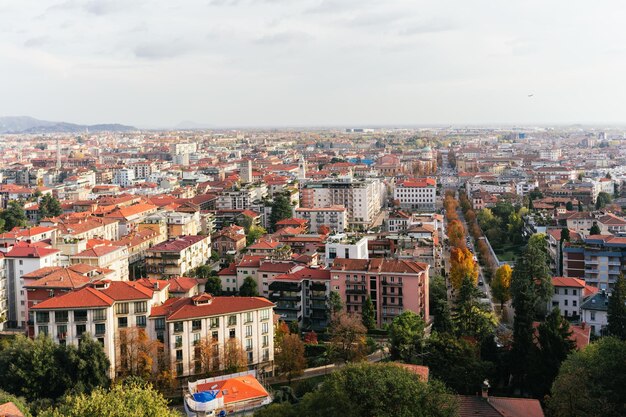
[536, 194]
[501, 285]
[569, 206]
[367, 314]
[290, 358]
[248, 288]
[591, 382]
[565, 237]
[280, 331]
[456, 233]
[472, 319]
[213, 285]
[580, 206]
[281, 209]
[602, 200]
[617, 309]
[355, 391]
[137, 400]
[553, 344]
[254, 233]
[462, 265]
[595, 229]
[234, 357]
[138, 353]
[310, 338]
[438, 301]
[49, 207]
[347, 337]
[406, 334]
[207, 356]
[455, 362]
[14, 216]
[334, 303]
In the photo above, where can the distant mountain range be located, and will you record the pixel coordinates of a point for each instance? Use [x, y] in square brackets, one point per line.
[30, 125]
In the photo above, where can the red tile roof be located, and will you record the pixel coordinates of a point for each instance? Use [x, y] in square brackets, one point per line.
[177, 245]
[30, 251]
[380, 265]
[182, 284]
[186, 309]
[237, 389]
[568, 282]
[98, 251]
[84, 298]
[127, 291]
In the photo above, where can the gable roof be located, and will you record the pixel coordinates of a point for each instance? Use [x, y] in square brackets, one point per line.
[187, 309]
[475, 406]
[237, 389]
[84, 298]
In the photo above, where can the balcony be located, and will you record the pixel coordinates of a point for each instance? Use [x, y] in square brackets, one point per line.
[353, 291]
[277, 296]
[319, 306]
[392, 284]
[288, 306]
[318, 296]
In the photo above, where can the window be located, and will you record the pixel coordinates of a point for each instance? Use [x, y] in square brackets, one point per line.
[99, 314]
[565, 292]
[575, 292]
[178, 341]
[141, 306]
[100, 328]
[60, 316]
[42, 317]
[231, 333]
[249, 317]
[159, 324]
[179, 367]
[121, 308]
[80, 329]
[266, 354]
[574, 303]
[556, 290]
[265, 328]
[232, 320]
[266, 341]
[43, 330]
[593, 315]
[140, 321]
[214, 336]
[178, 327]
[62, 331]
[215, 322]
[248, 344]
[265, 314]
[196, 338]
[122, 322]
[248, 331]
[250, 357]
[179, 355]
[565, 302]
[196, 325]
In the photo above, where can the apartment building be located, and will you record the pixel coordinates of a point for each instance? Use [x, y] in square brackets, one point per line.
[101, 309]
[344, 246]
[599, 260]
[241, 198]
[595, 312]
[301, 296]
[175, 257]
[362, 198]
[105, 256]
[3, 294]
[568, 296]
[22, 259]
[334, 217]
[182, 324]
[394, 285]
[417, 194]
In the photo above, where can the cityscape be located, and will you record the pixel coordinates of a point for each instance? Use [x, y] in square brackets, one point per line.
[277, 259]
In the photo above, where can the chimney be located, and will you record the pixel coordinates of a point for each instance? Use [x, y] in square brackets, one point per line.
[485, 388]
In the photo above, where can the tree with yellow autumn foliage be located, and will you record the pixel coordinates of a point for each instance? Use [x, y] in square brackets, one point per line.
[501, 285]
[462, 265]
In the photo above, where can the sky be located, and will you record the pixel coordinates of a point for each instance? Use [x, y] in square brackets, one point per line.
[237, 63]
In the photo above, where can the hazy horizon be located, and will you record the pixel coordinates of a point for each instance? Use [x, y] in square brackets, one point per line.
[314, 63]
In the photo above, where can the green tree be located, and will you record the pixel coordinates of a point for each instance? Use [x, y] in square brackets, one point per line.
[289, 357]
[254, 233]
[49, 207]
[439, 308]
[565, 237]
[248, 288]
[602, 200]
[137, 400]
[617, 309]
[595, 229]
[335, 304]
[281, 209]
[213, 285]
[569, 206]
[14, 216]
[531, 288]
[536, 194]
[367, 314]
[591, 382]
[406, 335]
[552, 346]
[580, 206]
[355, 391]
[472, 319]
[455, 362]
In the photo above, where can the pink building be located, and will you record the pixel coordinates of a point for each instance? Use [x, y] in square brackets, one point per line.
[394, 285]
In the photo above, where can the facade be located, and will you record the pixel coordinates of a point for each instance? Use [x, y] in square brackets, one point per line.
[568, 296]
[3, 294]
[394, 286]
[183, 323]
[124, 177]
[105, 256]
[342, 246]
[229, 240]
[594, 312]
[335, 218]
[242, 198]
[599, 260]
[420, 194]
[175, 257]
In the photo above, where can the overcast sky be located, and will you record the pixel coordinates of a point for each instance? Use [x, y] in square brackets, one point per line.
[313, 62]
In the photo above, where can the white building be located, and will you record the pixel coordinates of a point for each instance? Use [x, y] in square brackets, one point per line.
[335, 218]
[241, 199]
[420, 194]
[342, 246]
[23, 259]
[182, 324]
[524, 187]
[124, 177]
[594, 313]
[568, 295]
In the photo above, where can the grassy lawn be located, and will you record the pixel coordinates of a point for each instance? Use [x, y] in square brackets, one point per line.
[508, 252]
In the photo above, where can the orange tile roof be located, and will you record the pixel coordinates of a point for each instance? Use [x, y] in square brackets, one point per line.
[127, 290]
[10, 410]
[237, 389]
[568, 282]
[82, 298]
[186, 309]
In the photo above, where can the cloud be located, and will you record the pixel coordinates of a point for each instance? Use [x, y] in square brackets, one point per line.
[105, 7]
[161, 50]
[36, 42]
[431, 26]
[284, 37]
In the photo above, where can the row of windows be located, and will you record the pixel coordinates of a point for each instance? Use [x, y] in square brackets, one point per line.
[196, 325]
[63, 316]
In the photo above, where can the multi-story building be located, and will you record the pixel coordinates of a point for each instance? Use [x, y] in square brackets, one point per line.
[594, 312]
[335, 218]
[22, 259]
[175, 257]
[417, 194]
[301, 296]
[3, 293]
[241, 198]
[183, 324]
[598, 259]
[362, 198]
[343, 246]
[568, 296]
[394, 285]
[229, 240]
[124, 177]
[101, 309]
[105, 256]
